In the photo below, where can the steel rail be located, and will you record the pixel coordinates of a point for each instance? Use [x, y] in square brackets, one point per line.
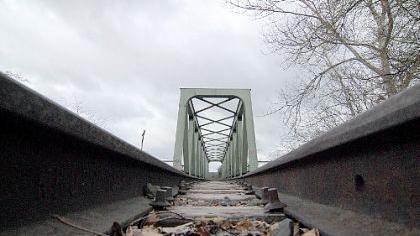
[55, 162]
[360, 178]
[357, 177]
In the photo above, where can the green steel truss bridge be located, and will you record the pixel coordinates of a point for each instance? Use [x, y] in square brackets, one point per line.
[215, 125]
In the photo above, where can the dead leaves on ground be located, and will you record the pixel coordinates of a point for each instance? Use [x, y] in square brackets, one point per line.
[298, 231]
[152, 218]
[214, 226]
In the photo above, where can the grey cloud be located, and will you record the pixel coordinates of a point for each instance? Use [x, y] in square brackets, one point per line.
[125, 60]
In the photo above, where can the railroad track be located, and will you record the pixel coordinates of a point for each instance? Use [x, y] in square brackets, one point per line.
[360, 178]
[216, 208]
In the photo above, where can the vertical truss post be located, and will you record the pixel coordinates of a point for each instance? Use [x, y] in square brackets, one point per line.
[206, 168]
[238, 158]
[200, 162]
[226, 165]
[194, 157]
[229, 170]
[224, 169]
[198, 157]
[181, 133]
[220, 170]
[234, 155]
[185, 149]
[240, 144]
[203, 164]
[250, 133]
[231, 158]
[232, 151]
[191, 147]
[245, 147]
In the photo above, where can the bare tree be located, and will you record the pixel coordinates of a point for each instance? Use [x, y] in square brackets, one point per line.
[16, 76]
[360, 52]
[78, 108]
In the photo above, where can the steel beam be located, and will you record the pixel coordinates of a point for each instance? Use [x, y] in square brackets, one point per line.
[369, 165]
[55, 162]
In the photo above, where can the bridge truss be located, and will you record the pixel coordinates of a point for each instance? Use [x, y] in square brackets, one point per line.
[215, 125]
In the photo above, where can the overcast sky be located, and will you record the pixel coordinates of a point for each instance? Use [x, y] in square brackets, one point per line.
[123, 62]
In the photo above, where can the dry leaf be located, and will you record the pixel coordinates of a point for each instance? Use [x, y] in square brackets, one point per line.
[148, 231]
[203, 232]
[304, 230]
[181, 229]
[296, 231]
[152, 218]
[225, 225]
[129, 231]
[244, 225]
[312, 232]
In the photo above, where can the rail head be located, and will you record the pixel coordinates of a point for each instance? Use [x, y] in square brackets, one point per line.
[54, 162]
[23, 101]
[399, 109]
[368, 165]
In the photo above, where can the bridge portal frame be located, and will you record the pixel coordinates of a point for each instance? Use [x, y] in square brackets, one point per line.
[238, 159]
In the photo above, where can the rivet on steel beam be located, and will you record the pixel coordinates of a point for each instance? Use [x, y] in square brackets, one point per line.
[264, 195]
[169, 193]
[274, 203]
[160, 202]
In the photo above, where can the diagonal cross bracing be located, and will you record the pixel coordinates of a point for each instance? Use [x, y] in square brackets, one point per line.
[215, 121]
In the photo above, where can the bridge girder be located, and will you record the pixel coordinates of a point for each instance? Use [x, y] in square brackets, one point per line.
[215, 125]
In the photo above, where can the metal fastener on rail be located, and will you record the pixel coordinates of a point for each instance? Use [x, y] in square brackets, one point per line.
[274, 203]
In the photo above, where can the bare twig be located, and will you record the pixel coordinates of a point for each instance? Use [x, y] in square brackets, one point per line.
[69, 223]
